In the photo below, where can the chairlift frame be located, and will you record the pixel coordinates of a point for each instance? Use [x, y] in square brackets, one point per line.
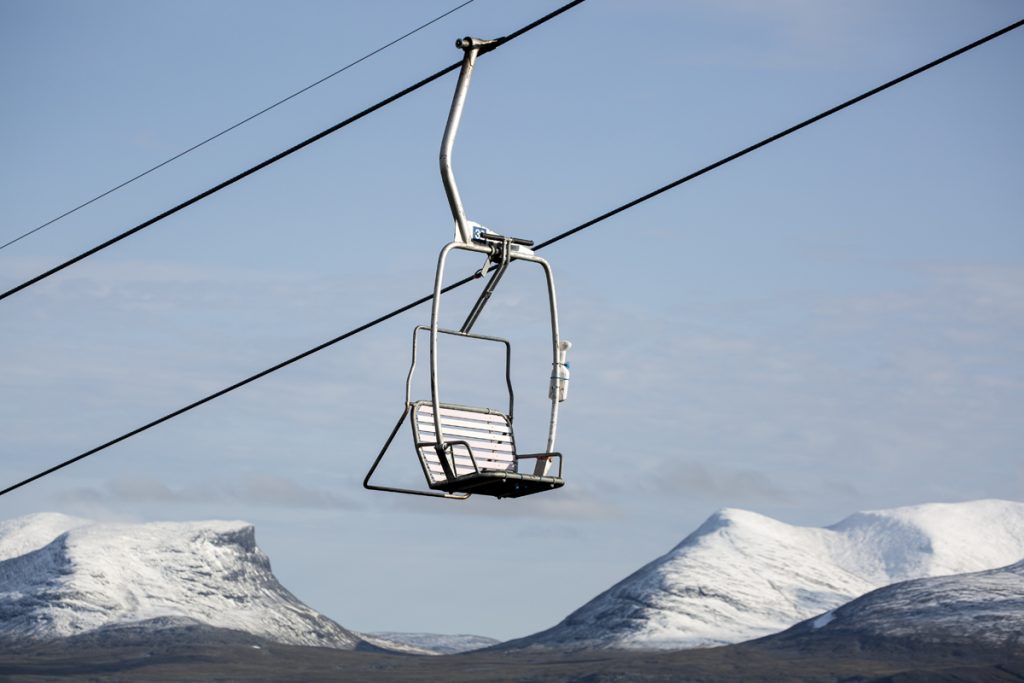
[491, 430]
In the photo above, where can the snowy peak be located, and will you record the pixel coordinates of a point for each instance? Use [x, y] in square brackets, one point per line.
[92, 576]
[936, 539]
[742, 575]
[732, 518]
[31, 532]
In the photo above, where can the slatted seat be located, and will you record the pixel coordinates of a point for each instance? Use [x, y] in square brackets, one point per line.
[483, 452]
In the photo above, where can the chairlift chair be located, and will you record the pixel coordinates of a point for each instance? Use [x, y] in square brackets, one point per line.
[466, 449]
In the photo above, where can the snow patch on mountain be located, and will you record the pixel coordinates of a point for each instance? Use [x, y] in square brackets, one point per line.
[742, 575]
[824, 620]
[89, 576]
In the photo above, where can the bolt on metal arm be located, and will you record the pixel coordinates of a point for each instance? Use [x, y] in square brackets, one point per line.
[472, 47]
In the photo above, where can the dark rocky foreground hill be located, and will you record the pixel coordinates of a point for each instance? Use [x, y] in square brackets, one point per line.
[965, 613]
[197, 653]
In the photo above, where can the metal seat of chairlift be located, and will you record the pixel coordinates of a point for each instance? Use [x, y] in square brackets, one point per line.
[481, 453]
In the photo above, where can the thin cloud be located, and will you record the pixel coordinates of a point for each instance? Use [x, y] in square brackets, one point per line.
[261, 491]
[283, 492]
[738, 487]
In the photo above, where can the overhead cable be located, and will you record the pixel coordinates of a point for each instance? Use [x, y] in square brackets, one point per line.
[281, 155]
[781, 134]
[236, 125]
[560, 236]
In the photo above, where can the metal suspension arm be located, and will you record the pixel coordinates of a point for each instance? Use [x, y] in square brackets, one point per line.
[472, 48]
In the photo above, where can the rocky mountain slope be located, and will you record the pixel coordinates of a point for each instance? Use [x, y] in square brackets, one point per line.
[980, 610]
[742, 575]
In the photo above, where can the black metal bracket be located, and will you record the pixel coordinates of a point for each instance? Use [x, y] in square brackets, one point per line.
[488, 290]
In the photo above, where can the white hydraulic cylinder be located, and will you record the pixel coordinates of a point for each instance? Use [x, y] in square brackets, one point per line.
[559, 388]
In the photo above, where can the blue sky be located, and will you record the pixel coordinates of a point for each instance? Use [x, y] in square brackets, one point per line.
[833, 323]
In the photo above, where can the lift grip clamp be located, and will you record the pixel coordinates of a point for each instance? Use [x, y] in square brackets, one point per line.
[483, 46]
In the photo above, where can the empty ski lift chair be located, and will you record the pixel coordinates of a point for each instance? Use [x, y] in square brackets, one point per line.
[465, 449]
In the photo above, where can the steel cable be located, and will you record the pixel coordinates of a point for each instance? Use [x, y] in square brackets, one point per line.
[230, 128]
[280, 155]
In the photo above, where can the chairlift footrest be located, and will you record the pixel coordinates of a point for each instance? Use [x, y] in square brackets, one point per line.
[500, 484]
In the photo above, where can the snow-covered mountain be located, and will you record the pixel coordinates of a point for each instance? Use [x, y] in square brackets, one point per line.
[971, 611]
[742, 575]
[61, 576]
[432, 643]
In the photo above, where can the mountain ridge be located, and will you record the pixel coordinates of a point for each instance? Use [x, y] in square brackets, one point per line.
[95, 575]
[741, 575]
[737, 577]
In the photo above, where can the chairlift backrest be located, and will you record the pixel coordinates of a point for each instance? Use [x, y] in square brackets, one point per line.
[488, 433]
